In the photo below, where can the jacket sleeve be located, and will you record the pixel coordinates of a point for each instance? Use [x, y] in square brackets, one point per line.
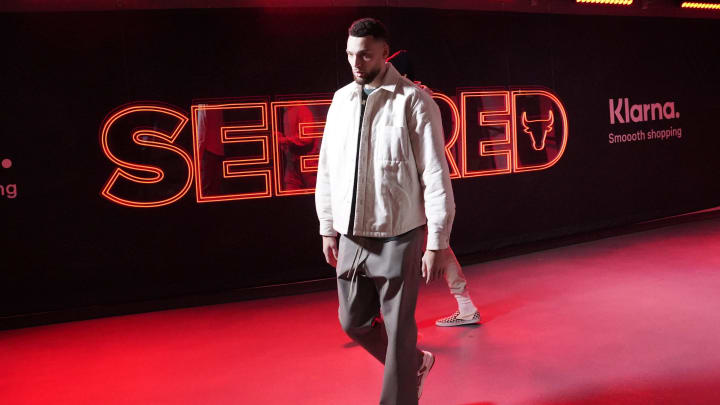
[426, 134]
[323, 197]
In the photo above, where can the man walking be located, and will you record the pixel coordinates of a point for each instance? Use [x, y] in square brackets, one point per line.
[382, 180]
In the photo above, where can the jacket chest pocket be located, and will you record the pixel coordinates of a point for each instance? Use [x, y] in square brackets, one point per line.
[391, 144]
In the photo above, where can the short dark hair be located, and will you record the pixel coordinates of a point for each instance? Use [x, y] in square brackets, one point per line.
[369, 26]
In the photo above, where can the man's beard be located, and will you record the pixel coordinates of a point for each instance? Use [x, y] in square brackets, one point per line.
[368, 78]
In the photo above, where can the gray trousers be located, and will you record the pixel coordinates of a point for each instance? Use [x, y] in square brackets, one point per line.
[375, 277]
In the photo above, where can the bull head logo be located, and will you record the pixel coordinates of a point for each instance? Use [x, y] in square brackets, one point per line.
[538, 129]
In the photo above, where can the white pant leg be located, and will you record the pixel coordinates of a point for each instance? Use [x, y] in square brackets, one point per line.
[454, 275]
[458, 286]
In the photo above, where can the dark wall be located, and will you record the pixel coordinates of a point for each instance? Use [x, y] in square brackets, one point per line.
[65, 246]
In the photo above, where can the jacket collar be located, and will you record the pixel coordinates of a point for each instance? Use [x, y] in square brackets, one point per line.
[389, 81]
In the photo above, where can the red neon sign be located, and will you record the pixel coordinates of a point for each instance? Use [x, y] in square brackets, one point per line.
[528, 154]
[454, 132]
[297, 130]
[224, 173]
[261, 149]
[486, 140]
[151, 126]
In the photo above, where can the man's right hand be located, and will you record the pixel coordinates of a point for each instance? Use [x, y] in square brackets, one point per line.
[330, 249]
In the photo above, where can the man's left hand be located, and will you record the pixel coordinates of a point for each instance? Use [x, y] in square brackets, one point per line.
[433, 264]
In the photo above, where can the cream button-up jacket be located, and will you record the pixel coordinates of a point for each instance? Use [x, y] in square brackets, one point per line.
[403, 178]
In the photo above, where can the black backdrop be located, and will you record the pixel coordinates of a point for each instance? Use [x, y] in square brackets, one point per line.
[65, 246]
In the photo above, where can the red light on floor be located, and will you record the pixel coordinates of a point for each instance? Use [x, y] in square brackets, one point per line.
[707, 6]
[607, 2]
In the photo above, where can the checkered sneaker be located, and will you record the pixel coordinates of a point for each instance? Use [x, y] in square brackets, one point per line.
[456, 320]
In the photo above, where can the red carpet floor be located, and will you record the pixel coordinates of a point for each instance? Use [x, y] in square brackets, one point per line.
[633, 319]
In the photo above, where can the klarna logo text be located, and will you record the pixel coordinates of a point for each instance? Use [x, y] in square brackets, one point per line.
[621, 111]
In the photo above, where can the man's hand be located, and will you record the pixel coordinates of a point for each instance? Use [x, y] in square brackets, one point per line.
[330, 250]
[433, 264]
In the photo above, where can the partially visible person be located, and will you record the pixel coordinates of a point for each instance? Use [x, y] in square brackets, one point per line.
[466, 313]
